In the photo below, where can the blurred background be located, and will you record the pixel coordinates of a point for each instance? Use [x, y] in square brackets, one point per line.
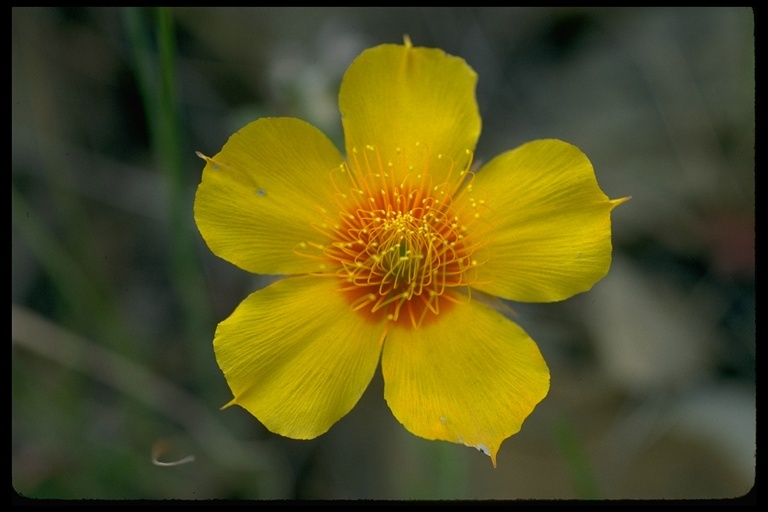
[115, 297]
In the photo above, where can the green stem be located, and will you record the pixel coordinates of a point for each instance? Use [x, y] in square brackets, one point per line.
[576, 460]
[158, 91]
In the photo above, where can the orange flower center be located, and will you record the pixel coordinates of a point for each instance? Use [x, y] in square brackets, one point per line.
[401, 248]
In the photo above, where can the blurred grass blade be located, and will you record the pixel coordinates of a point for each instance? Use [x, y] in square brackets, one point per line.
[89, 303]
[45, 339]
[155, 75]
[576, 460]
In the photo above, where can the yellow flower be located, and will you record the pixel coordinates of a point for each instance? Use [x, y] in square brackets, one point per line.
[384, 251]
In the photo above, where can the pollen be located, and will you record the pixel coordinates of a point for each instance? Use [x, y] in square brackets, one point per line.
[403, 251]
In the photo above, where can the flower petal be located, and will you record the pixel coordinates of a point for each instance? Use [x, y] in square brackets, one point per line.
[405, 103]
[260, 196]
[549, 233]
[469, 377]
[296, 357]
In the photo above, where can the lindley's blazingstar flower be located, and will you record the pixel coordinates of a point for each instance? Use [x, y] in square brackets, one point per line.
[386, 250]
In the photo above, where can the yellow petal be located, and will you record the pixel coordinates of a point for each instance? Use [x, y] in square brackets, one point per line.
[408, 106]
[261, 195]
[296, 357]
[548, 223]
[469, 377]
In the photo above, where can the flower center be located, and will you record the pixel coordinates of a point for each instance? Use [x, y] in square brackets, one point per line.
[401, 248]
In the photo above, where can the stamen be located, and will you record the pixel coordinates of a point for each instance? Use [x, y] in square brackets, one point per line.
[399, 244]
